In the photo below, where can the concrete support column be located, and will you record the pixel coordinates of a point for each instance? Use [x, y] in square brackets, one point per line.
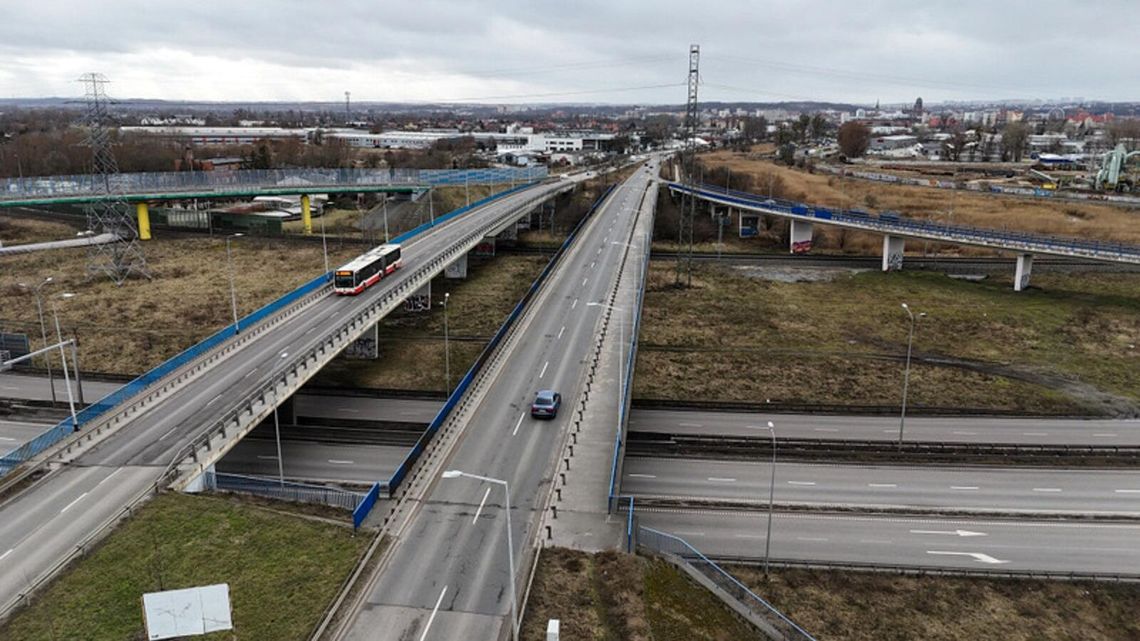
[893, 253]
[1021, 276]
[457, 269]
[306, 214]
[143, 212]
[800, 237]
[201, 483]
[287, 412]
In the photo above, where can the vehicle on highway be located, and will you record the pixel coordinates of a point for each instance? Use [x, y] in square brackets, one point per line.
[546, 404]
[367, 269]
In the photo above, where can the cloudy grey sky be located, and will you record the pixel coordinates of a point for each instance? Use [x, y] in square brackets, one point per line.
[628, 51]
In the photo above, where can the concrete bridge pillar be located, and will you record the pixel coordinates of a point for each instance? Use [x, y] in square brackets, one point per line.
[800, 237]
[893, 253]
[143, 212]
[1021, 275]
[204, 482]
[306, 214]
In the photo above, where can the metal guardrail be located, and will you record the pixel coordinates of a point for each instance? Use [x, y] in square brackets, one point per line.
[934, 570]
[87, 187]
[890, 223]
[285, 491]
[664, 543]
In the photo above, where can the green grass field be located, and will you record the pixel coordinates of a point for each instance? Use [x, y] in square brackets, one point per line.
[283, 571]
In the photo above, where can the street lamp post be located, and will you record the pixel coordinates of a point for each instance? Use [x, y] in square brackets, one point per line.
[906, 371]
[324, 244]
[277, 434]
[386, 240]
[446, 346]
[233, 291]
[43, 328]
[63, 359]
[771, 499]
[453, 474]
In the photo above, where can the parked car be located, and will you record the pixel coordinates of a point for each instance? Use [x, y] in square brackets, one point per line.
[546, 404]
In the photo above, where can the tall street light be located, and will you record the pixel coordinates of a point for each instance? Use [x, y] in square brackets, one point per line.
[906, 371]
[446, 346]
[771, 499]
[325, 244]
[43, 328]
[63, 358]
[233, 291]
[454, 474]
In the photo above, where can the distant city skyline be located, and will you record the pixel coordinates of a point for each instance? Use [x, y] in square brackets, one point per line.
[584, 52]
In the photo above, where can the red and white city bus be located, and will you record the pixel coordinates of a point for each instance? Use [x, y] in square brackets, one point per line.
[365, 270]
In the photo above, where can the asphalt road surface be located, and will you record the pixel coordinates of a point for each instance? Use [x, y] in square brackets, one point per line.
[448, 572]
[41, 528]
[15, 433]
[314, 462]
[972, 489]
[1034, 431]
[964, 543]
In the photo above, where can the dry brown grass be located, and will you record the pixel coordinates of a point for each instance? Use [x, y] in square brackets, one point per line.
[18, 229]
[852, 606]
[131, 328]
[1092, 221]
[733, 337]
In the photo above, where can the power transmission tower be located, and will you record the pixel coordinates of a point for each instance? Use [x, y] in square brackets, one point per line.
[108, 213]
[688, 161]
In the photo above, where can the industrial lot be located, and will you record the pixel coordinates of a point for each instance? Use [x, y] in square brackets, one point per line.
[854, 366]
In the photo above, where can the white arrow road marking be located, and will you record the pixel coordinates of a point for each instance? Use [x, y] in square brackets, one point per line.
[977, 556]
[481, 504]
[950, 532]
[433, 612]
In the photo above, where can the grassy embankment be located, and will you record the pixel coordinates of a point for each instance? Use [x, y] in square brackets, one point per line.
[1080, 220]
[1071, 346]
[283, 570]
[131, 328]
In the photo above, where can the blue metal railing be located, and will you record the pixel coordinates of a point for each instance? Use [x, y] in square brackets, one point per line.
[156, 184]
[57, 433]
[669, 544]
[887, 223]
[360, 512]
[417, 450]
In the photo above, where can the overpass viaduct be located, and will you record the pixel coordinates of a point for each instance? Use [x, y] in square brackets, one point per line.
[170, 431]
[896, 229]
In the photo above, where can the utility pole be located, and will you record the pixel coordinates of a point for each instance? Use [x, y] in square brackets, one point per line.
[685, 226]
[347, 110]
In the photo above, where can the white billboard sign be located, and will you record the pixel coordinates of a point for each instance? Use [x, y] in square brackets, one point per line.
[189, 612]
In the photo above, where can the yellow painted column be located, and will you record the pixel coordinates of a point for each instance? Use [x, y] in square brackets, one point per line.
[306, 214]
[144, 220]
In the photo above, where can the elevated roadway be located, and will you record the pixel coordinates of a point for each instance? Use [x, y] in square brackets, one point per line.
[46, 522]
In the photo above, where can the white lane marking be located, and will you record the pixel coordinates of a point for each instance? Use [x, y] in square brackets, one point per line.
[251, 373]
[949, 532]
[266, 457]
[688, 533]
[561, 330]
[812, 538]
[1035, 434]
[882, 485]
[10, 387]
[977, 556]
[521, 417]
[826, 429]
[966, 433]
[213, 400]
[748, 536]
[592, 263]
[718, 479]
[877, 541]
[634, 475]
[1046, 489]
[335, 461]
[108, 477]
[433, 612]
[889, 431]
[1127, 491]
[347, 410]
[311, 330]
[584, 281]
[599, 250]
[481, 504]
[544, 366]
[68, 506]
[1105, 434]
[574, 304]
[6, 554]
[6, 438]
[284, 354]
[963, 487]
[801, 482]
[690, 424]
[168, 433]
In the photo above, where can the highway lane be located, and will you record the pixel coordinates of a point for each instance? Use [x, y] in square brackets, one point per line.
[452, 554]
[314, 462]
[363, 408]
[13, 434]
[960, 543]
[36, 388]
[1034, 431]
[148, 442]
[967, 489]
